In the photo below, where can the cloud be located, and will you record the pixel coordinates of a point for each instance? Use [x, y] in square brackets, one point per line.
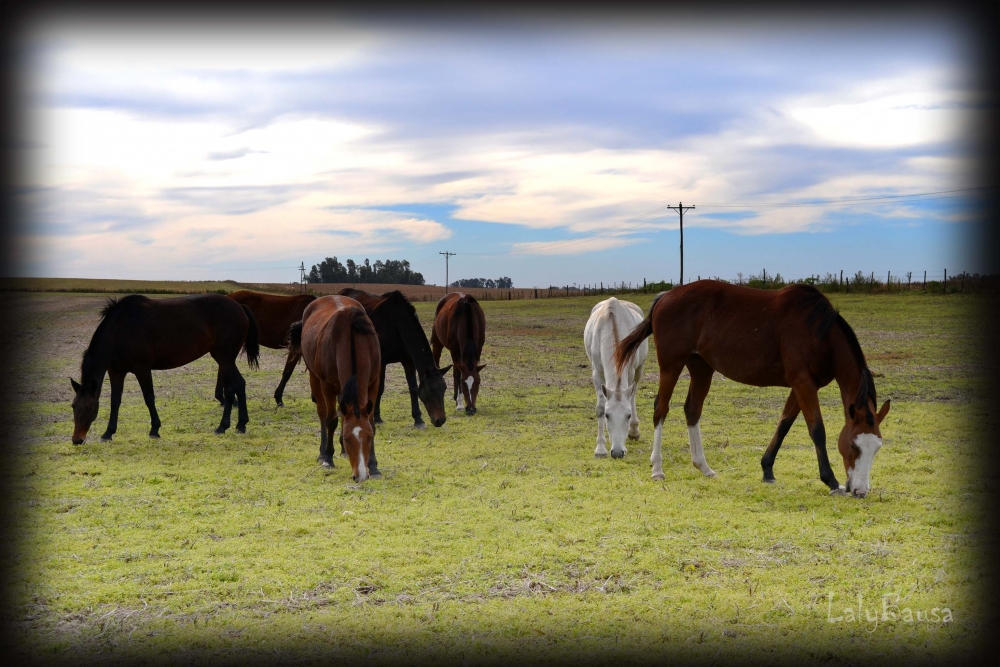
[574, 246]
[231, 155]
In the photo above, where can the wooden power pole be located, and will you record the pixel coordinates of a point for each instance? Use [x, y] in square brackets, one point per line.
[446, 256]
[680, 208]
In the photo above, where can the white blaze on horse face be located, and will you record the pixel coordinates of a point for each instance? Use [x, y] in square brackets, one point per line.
[859, 477]
[356, 430]
[697, 451]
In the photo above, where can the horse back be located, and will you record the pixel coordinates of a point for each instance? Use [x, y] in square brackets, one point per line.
[610, 321]
[274, 313]
[328, 327]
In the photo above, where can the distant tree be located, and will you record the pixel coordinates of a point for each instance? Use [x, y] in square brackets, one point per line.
[391, 271]
[488, 283]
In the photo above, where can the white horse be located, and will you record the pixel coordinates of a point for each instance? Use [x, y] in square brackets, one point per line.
[610, 321]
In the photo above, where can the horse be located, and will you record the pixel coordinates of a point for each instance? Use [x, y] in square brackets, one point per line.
[460, 325]
[402, 340]
[792, 338]
[615, 404]
[275, 314]
[341, 350]
[138, 335]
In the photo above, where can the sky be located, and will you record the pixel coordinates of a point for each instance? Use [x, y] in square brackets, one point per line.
[540, 150]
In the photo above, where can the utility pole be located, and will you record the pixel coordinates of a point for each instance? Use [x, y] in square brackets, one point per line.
[680, 208]
[302, 277]
[446, 256]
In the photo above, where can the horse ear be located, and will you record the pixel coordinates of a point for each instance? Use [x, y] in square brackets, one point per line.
[479, 368]
[883, 412]
[76, 385]
[445, 369]
[851, 411]
[604, 390]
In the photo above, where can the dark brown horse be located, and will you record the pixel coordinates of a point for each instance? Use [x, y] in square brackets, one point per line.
[340, 347]
[138, 335]
[275, 315]
[787, 338]
[460, 325]
[402, 340]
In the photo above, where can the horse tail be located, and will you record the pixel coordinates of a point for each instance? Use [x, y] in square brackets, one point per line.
[359, 324]
[293, 339]
[252, 343]
[470, 353]
[626, 348]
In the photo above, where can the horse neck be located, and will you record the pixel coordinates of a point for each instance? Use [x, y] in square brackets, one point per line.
[415, 342]
[847, 368]
[97, 356]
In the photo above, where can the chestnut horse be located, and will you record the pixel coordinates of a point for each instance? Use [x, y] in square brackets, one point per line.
[460, 325]
[402, 340]
[340, 347]
[138, 335]
[792, 337]
[275, 315]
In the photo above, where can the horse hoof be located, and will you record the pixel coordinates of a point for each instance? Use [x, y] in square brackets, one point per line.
[241, 429]
[218, 431]
[326, 464]
[378, 421]
[658, 476]
[600, 455]
[420, 425]
[769, 480]
[106, 438]
[151, 435]
[839, 491]
[633, 437]
[279, 403]
[374, 475]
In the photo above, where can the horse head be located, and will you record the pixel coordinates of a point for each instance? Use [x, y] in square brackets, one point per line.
[431, 391]
[359, 430]
[618, 413]
[860, 439]
[86, 401]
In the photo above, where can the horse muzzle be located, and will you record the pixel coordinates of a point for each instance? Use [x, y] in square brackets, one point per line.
[439, 422]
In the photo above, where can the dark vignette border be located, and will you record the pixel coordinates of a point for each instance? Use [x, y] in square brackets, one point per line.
[982, 19]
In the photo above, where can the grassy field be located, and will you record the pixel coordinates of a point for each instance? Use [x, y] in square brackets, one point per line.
[499, 535]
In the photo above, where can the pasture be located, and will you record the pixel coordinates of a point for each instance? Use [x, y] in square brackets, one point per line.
[497, 535]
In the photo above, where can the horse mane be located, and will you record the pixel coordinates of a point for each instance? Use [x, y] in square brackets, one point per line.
[113, 304]
[397, 298]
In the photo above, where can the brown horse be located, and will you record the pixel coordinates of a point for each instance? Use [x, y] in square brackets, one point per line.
[275, 315]
[460, 325]
[138, 335]
[789, 338]
[402, 340]
[340, 347]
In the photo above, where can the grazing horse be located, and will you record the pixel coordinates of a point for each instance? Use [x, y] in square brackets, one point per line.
[402, 340]
[138, 335]
[340, 347]
[615, 404]
[789, 338]
[460, 325]
[275, 314]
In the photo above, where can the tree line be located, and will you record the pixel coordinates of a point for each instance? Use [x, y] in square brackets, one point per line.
[489, 283]
[391, 271]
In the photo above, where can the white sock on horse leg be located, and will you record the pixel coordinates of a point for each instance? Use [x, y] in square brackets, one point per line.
[697, 451]
[656, 458]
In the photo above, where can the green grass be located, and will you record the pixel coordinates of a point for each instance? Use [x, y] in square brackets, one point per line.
[497, 535]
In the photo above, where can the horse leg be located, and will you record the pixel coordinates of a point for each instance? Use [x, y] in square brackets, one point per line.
[226, 370]
[661, 406]
[117, 385]
[373, 470]
[219, 396]
[145, 378]
[411, 382]
[602, 420]
[805, 393]
[325, 457]
[788, 415]
[459, 394]
[378, 398]
[701, 381]
[240, 389]
[633, 424]
[290, 363]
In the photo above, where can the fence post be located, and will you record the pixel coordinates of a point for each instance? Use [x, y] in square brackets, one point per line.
[925, 281]
[765, 278]
[888, 281]
[945, 289]
[841, 277]
[847, 286]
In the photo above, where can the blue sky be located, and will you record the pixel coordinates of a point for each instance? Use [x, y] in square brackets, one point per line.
[169, 151]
